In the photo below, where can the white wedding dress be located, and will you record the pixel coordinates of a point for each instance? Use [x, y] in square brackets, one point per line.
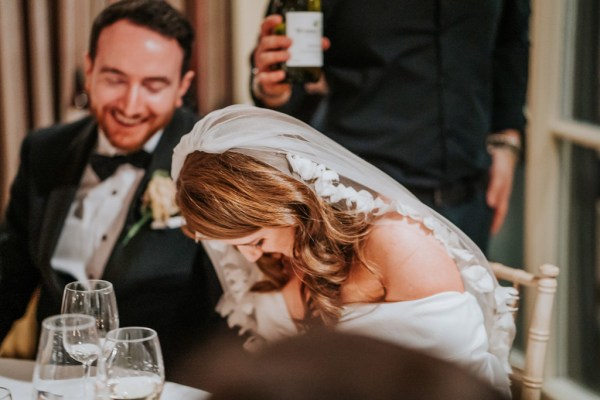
[448, 325]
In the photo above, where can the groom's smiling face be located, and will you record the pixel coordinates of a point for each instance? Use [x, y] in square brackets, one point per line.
[134, 83]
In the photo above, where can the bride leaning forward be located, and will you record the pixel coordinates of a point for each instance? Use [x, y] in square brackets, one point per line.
[333, 247]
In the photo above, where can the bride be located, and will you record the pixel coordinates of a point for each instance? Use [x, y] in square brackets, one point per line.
[303, 232]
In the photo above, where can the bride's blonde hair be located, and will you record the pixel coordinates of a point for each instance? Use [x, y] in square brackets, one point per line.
[231, 195]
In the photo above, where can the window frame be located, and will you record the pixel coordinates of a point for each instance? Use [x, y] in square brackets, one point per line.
[547, 176]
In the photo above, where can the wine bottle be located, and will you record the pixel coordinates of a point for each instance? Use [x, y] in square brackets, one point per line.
[303, 23]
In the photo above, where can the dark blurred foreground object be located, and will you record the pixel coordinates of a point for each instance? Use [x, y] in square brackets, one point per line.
[324, 364]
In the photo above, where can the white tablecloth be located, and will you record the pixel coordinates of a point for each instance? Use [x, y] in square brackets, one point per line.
[16, 375]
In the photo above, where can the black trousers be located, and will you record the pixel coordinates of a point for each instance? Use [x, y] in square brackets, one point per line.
[467, 209]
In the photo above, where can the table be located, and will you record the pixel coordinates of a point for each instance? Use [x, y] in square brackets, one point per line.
[17, 375]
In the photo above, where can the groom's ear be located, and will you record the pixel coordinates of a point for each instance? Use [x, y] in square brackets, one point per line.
[88, 67]
[184, 85]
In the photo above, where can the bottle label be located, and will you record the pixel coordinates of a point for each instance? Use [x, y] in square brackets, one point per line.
[305, 28]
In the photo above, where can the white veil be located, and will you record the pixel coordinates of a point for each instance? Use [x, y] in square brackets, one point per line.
[267, 134]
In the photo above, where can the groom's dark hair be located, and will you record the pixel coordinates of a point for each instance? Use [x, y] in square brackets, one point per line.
[156, 15]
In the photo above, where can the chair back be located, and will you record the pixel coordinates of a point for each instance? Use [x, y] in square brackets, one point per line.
[543, 284]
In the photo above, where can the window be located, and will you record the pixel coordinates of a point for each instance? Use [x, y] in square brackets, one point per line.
[562, 206]
[583, 364]
[586, 77]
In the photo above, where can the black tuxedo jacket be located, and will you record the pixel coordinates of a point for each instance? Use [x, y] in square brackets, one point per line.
[162, 279]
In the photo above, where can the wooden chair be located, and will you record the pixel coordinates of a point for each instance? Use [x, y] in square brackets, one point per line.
[537, 328]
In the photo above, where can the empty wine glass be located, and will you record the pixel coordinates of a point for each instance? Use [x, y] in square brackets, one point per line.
[96, 298]
[67, 347]
[80, 339]
[133, 364]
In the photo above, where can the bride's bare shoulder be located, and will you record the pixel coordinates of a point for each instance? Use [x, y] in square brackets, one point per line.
[412, 262]
[396, 230]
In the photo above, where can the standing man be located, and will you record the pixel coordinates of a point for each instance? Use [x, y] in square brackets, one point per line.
[79, 188]
[430, 91]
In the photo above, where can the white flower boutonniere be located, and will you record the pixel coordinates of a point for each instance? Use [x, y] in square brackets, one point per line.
[158, 205]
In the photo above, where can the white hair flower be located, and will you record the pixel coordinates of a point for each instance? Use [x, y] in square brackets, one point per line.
[303, 167]
[327, 186]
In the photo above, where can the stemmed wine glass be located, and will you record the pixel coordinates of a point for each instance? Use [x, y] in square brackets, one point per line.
[93, 297]
[134, 364]
[80, 339]
[96, 298]
[67, 343]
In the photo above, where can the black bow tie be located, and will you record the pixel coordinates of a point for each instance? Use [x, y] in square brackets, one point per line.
[105, 166]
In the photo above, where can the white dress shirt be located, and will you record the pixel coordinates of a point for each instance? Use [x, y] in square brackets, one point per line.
[97, 216]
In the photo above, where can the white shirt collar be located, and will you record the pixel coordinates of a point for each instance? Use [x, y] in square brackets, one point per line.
[106, 148]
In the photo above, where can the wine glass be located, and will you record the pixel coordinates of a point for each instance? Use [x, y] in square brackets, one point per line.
[68, 346]
[133, 364]
[93, 297]
[5, 394]
[81, 342]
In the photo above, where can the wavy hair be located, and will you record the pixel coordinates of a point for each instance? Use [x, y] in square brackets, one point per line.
[232, 195]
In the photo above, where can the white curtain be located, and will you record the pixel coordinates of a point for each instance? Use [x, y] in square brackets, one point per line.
[42, 43]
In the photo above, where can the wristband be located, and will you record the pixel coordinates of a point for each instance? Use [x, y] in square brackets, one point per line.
[499, 140]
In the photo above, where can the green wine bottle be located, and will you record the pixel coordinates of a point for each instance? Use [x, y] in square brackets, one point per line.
[303, 23]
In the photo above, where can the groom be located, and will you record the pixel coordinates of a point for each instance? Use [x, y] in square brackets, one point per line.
[69, 214]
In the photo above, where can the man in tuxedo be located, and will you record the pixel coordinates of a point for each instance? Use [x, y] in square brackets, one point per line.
[74, 201]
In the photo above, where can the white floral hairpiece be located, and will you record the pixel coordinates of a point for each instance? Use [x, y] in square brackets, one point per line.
[326, 185]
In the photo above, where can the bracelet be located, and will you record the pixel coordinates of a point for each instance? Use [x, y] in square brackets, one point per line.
[509, 142]
[258, 91]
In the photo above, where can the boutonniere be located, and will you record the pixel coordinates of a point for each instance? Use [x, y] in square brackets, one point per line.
[158, 205]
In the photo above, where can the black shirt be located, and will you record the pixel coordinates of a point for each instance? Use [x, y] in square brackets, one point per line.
[417, 85]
